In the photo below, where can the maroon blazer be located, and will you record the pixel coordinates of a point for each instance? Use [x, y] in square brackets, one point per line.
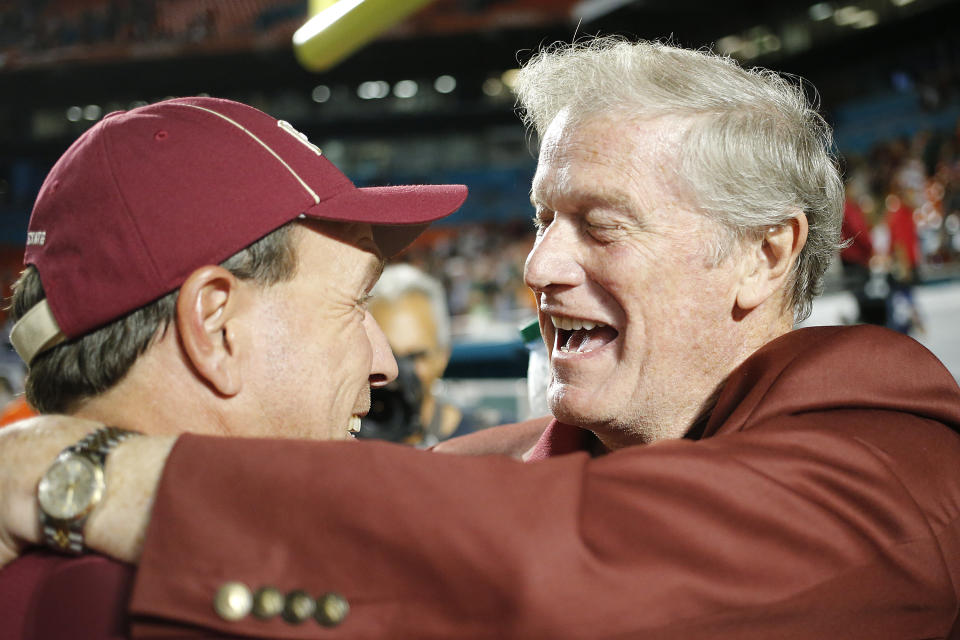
[44, 596]
[822, 500]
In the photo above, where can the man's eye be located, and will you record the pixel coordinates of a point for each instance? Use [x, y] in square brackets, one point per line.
[604, 232]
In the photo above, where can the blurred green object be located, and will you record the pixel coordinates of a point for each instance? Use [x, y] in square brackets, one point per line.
[340, 28]
[530, 332]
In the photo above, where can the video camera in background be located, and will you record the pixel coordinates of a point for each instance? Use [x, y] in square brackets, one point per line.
[395, 408]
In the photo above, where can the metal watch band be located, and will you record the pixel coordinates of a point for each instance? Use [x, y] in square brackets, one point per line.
[99, 443]
[66, 536]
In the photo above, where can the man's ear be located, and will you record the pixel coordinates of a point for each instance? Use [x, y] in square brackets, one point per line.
[769, 261]
[208, 302]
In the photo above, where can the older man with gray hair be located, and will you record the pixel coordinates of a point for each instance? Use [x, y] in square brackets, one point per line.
[709, 472]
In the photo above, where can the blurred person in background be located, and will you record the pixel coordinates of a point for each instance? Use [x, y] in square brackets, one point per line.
[708, 472]
[902, 258]
[411, 308]
[855, 257]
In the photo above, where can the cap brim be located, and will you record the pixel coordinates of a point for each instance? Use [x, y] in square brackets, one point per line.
[399, 214]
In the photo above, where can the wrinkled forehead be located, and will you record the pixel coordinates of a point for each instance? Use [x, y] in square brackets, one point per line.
[626, 130]
[615, 151]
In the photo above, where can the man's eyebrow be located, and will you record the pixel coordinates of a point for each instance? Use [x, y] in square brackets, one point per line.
[614, 199]
[609, 198]
[369, 245]
[375, 267]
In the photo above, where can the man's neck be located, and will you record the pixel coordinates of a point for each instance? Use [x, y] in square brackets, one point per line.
[685, 419]
[156, 396]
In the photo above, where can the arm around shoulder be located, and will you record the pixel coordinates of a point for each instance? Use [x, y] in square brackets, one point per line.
[739, 536]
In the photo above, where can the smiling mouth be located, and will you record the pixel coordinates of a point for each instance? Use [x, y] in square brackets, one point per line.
[353, 425]
[582, 336]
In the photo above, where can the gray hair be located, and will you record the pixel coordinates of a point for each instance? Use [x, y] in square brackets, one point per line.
[399, 280]
[91, 364]
[755, 150]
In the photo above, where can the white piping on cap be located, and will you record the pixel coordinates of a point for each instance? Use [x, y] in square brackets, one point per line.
[36, 331]
[316, 198]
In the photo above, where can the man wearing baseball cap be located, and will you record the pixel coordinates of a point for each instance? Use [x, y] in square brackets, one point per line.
[193, 265]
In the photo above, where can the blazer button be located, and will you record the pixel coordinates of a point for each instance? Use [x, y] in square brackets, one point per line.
[232, 601]
[267, 603]
[298, 607]
[332, 609]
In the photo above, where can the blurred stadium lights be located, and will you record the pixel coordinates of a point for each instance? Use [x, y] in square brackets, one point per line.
[588, 10]
[445, 84]
[820, 11]
[406, 89]
[92, 112]
[866, 19]
[373, 90]
[755, 42]
[74, 113]
[728, 45]
[340, 27]
[818, 24]
[796, 37]
[854, 16]
[321, 93]
[846, 16]
[492, 87]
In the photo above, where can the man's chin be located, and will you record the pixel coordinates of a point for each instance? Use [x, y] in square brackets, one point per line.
[577, 408]
[594, 410]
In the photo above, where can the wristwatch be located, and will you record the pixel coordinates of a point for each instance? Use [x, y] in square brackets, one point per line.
[73, 486]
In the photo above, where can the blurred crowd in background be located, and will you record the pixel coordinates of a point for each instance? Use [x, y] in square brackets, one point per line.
[902, 223]
[911, 180]
[481, 268]
[69, 28]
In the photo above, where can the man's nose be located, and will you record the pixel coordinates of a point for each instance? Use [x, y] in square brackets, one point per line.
[383, 366]
[555, 258]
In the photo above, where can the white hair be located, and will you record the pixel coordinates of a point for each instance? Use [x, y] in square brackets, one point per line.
[755, 151]
[399, 280]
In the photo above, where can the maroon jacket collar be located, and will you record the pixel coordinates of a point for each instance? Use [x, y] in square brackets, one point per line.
[812, 369]
[825, 368]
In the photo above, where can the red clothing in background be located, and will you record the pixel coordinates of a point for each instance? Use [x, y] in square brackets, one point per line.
[903, 233]
[855, 228]
[16, 409]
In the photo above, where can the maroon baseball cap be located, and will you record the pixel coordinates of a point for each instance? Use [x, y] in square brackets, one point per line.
[147, 196]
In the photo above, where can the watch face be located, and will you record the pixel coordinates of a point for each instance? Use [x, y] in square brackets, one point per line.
[71, 487]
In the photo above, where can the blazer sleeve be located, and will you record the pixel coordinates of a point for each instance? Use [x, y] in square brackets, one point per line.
[512, 440]
[45, 595]
[799, 532]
